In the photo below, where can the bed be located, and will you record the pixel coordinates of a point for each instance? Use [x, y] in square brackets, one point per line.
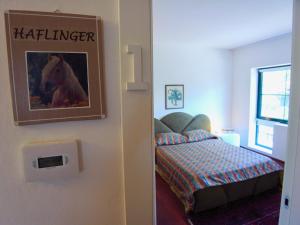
[209, 173]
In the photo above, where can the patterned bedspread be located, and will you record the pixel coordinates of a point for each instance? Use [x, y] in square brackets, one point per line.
[192, 166]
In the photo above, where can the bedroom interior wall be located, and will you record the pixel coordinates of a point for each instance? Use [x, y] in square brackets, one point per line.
[274, 51]
[97, 195]
[206, 74]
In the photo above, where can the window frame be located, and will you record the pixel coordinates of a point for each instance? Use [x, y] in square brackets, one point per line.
[259, 94]
[258, 122]
[260, 119]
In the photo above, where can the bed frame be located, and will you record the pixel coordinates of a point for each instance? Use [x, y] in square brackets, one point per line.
[213, 197]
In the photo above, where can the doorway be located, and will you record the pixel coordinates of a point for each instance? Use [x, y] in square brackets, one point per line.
[218, 53]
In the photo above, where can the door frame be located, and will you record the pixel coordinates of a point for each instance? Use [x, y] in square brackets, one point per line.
[293, 145]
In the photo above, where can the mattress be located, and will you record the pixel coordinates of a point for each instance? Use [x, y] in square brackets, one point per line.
[210, 173]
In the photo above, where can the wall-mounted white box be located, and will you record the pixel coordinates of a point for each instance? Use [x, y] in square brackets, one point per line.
[46, 161]
[280, 141]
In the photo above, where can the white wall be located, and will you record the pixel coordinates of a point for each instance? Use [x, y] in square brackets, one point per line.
[270, 52]
[206, 74]
[97, 195]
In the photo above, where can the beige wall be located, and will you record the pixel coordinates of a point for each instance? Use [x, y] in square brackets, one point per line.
[137, 115]
[96, 196]
[291, 186]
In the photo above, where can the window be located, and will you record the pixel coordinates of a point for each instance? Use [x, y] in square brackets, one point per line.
[272, 102]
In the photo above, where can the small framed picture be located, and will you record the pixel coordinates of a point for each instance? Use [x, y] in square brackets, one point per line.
[174, 96]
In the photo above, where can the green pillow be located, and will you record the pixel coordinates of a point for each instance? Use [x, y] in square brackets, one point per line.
[160, 127]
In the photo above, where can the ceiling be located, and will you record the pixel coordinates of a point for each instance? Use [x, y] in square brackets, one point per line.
[220, 23]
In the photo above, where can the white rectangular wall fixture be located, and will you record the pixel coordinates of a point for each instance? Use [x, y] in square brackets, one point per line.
[138, 84]
[280, 141]
[52, 160]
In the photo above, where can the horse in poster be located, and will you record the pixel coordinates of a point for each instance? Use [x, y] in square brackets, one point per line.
[59, 78]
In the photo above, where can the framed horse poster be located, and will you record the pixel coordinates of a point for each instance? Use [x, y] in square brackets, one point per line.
[56, 66]
[174, 96]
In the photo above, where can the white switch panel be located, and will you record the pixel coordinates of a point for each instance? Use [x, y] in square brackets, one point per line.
[46, 161]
